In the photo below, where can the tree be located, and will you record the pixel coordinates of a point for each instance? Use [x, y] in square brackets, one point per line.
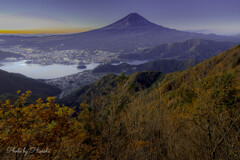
[37, 131]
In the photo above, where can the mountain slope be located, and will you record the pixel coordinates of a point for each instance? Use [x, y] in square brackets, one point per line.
[189, 49]
[131, 32]
[224, 63]
[11, 82]
[164, 66]
[104, 86]
[193, 114]
[131, 20]
[205, 77]
[84, 94]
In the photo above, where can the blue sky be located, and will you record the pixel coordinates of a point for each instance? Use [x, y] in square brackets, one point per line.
[217, 16]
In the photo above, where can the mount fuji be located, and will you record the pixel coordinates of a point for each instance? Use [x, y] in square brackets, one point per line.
[129, 33]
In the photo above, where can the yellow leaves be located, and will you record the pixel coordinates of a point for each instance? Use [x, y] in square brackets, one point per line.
[18, 91]
[28, 93]
[64, 111]
[51, 126]
[22, 99]
[50, 102]
[7, 102]
[39, 101]
[60, 112]
[83, 105]
[36, 124]
[51, 99]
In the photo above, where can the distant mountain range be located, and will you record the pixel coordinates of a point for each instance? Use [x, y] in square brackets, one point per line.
[238, 35]
[169, 57]
[131, 32]
[164, 66]
[189, 49]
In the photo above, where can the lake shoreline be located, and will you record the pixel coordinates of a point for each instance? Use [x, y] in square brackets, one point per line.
[38, 71]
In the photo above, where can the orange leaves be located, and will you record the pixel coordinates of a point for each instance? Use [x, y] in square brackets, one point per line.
[140, 144]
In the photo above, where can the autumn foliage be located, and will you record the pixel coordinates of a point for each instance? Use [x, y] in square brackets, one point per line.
[43, 126]
[194, 114]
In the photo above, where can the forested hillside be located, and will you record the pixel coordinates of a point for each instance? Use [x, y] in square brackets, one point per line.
[193, 114]
[11, 82]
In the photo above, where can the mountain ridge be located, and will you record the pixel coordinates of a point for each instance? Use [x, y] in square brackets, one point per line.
[164, 66]
[189, 49]
[133, 19]
[120, 35]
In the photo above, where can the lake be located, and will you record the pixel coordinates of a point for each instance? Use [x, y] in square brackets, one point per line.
[38, 71]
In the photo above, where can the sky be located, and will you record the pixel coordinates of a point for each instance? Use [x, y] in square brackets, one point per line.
[68, 16]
